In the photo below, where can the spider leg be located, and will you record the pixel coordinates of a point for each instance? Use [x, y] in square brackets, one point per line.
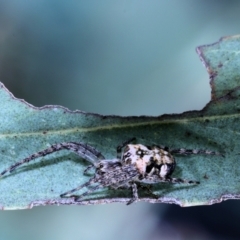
[157, 179]
[92, 180]
[185, 151]
[88, 168]
[85, 151]
[148, 189]
[124, 144]
[179, 180]
[134, 193]
[78, 198]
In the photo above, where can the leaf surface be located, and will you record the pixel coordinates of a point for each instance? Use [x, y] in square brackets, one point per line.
[25, 129]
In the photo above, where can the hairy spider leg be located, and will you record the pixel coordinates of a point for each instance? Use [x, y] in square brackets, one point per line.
[83, 150]
[134, 193]
[91, 181]
[118, 177]
[185, 151]
[88, 168]
[180, 180]
[146, 187]
[78, 198]
[157, 179]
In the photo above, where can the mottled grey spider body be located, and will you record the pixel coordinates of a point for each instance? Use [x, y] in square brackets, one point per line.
[136, 166]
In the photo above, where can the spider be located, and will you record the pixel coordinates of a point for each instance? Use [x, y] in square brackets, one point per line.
[135, 166]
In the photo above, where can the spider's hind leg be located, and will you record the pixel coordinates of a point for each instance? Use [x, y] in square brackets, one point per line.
[184, 151]
[157, 179]
[179, 180]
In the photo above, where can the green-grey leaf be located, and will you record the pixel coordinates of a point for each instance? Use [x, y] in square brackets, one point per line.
[25, 129]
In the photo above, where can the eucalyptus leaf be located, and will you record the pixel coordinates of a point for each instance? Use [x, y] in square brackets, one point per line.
[25, 129]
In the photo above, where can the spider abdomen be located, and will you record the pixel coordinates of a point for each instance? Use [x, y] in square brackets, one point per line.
[149, 160]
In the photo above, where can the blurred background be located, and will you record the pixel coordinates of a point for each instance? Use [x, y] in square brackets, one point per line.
[125, 58]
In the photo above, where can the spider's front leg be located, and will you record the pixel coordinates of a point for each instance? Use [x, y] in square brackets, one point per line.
[83, 150]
